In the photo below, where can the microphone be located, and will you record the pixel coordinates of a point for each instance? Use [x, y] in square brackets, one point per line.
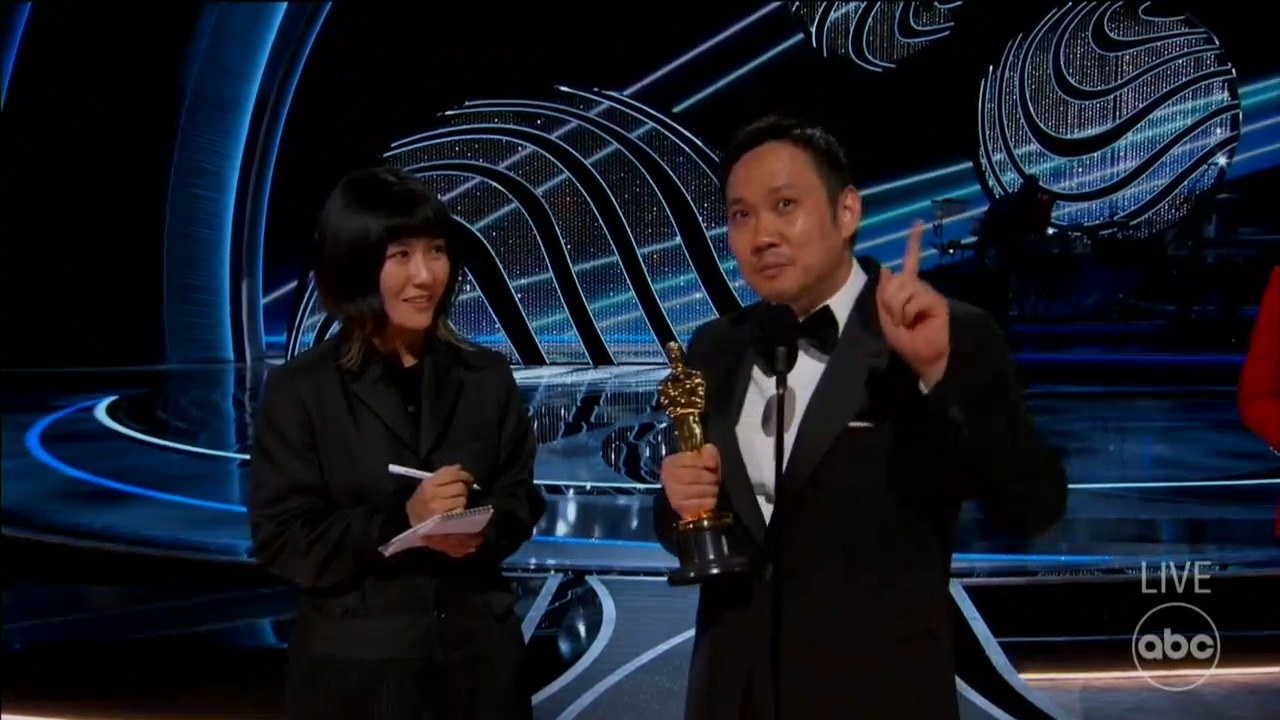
[777, 344]
[777, 339]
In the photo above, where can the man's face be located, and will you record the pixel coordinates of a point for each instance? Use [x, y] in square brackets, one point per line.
[790, 245]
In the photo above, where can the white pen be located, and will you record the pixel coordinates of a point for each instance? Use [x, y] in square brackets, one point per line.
[416, 474]
[408, 472]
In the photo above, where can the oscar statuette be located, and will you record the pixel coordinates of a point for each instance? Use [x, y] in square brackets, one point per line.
[707, 544]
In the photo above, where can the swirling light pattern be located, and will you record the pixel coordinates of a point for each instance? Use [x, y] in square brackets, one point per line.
[876, 35]
[1126, 116]
[600, 224]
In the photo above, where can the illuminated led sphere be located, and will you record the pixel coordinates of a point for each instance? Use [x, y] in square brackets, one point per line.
[1125, 115]
[875, 35]
[598, 224]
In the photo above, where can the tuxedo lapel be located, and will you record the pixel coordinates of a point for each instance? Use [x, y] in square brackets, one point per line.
[841, 392]
[730, 388]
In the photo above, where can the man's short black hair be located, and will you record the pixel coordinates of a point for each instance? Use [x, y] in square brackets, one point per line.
[821, 146]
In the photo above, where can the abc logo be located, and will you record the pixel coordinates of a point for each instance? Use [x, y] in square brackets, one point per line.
[1176, 646]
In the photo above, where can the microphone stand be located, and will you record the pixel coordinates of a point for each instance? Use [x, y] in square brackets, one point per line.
[780, 412]
[779, 454]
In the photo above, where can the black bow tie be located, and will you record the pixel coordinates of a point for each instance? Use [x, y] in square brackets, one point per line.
[821, 329]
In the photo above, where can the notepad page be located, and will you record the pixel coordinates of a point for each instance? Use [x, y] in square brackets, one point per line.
[461, 522]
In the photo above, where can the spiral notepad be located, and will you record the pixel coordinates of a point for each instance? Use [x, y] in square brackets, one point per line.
[460, 522]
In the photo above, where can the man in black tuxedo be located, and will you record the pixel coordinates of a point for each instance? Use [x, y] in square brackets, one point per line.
[901, 405]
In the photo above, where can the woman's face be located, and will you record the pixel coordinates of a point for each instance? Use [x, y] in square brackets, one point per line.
[414, 276]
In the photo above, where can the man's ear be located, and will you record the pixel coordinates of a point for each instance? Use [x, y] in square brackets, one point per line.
[848, 211]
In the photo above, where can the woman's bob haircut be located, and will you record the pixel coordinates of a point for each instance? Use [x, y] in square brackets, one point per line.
[368, 211]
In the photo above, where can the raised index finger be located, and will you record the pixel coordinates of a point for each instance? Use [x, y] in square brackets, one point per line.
[911, 260]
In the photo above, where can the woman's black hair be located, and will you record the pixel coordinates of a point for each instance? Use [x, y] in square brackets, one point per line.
[368, 211]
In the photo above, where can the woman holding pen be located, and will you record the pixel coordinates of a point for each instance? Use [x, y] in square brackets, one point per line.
[431, 631]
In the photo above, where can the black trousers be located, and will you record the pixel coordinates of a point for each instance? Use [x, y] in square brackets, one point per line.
[472, 669]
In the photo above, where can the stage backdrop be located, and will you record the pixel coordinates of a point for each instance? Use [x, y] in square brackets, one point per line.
[169, 164]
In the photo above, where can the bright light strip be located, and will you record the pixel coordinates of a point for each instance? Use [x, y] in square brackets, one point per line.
[721, 83]
[602, 107]
[104, 418]
[593, 307]
[1136, 675]
[768, 8]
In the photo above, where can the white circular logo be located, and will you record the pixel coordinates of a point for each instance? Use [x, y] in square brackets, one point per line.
[1176, 646]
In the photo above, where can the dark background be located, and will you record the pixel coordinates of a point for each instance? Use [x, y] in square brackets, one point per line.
[87, 129]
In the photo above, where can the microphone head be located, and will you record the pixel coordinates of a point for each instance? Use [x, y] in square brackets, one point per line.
[776, 338]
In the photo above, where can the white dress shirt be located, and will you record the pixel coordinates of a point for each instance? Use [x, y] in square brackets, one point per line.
[755, 429]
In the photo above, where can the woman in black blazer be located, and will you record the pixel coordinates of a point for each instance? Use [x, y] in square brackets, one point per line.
[429, 632]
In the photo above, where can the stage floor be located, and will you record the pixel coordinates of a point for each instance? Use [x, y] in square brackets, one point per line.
[100, 467]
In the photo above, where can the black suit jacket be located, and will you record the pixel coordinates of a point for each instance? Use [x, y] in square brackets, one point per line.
[854, 565]
[321, 500]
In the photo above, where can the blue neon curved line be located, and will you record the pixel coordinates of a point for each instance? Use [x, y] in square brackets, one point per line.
[308, 300]
[426, 139]
[967, 187]
[426, 169]
[675, 280]
[591, 305]
[690, 143]
[268, 298]
[529, 106]
[1058, 21]
[604, 103]
[519, 282]
[725, 34]
[880, 65]
[967, 557]
[11, 43]
[821, 32]
[756, 62]
[204, 177]
[537, 340]
[695, 147]
[520, 155]
[541, 189]
[609, 102]
[31, 440]
[716, 86]
[903, 210]
[101, 414]
[990, 84]
[556, 111]
[292, 83]
[271, 145]
[705, 46]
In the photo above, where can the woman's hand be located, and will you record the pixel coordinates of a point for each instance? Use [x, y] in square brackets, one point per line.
[445, 492]
[455, 546]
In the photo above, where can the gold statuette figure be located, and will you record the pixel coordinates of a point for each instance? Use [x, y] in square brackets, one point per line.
[707, 543]
[683, 394]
